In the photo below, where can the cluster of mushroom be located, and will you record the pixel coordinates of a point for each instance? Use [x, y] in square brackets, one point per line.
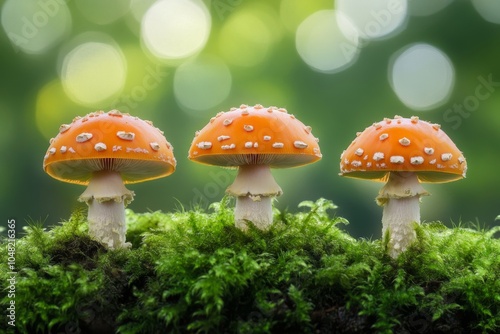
[107, 150]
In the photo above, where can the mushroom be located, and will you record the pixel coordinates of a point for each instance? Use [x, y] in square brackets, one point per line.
[254, 139]
[402, 152]
[105, 151]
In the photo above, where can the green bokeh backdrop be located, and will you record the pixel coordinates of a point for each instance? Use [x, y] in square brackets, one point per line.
[335, 105]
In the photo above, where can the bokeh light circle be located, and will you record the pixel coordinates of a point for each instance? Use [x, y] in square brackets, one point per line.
[488, 9]
[375, 19]
[93, 72]
[327, 41]
[53, 107]
[422, 76]
[202, 83]
[35, 26]
[242, 46]
[176, 29]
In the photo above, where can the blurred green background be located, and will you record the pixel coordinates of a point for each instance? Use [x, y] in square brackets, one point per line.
[338, 66]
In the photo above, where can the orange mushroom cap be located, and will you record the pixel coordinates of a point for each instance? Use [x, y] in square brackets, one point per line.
[404, 145]
[255, 136]
[109, 141]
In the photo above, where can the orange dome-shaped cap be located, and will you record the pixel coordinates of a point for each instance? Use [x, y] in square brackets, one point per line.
[109, 141]
[403, 144]
[255, 136]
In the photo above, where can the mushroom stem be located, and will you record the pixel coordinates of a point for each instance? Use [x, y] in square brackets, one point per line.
[254, 188]
[401, 200]
[398, 218]
[259, 212]
[107, 197]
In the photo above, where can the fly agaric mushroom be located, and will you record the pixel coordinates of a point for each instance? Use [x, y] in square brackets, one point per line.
[402, 152]
[105, 151]
[254, 139]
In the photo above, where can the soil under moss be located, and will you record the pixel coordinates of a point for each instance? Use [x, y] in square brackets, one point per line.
[192, 271]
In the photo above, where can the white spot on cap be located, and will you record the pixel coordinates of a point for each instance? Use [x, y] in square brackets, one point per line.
[377, 126]
[248, 144]
[125, 135]
[299, 144]
[83, 137]
[228, 147]
[278, 145]
[446, 156]
[227, 122]
[99, 147]
[63, 149]
[117, 148]
[52, 150]
[461, 160]
[255, 145]
[155, 146]
[429, 150]
[307, 129]
[414, 119]
[432, 162]
[71, 150]
[383, 136]
[248, 128]
[418, 160]
[115, 112]
[245, 112]
[204, 145]
[378, 156]
[359, 152]
[440, 166]
[267, 138]
[404, 141]
[368, 164]
[64, 127]
[136, 150]
[397, 159]
[221, 138]
[356, 163]
[436, 126]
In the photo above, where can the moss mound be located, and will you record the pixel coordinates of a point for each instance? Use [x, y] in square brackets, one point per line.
[194, 272]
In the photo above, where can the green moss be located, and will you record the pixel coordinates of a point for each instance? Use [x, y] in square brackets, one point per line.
[192, 271]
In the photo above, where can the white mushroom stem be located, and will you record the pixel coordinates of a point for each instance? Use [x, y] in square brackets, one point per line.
[254, 188]
[107, 197]
[401, 200]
